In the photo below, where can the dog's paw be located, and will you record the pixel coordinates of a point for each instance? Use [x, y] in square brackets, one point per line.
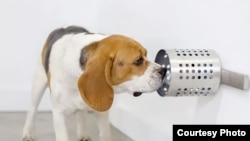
[85, 139]
[28, 135]
[28, 139]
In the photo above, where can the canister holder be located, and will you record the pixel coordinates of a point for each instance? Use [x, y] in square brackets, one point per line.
[195, 72]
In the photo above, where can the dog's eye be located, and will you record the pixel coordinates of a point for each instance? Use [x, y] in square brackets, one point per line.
[138, 62]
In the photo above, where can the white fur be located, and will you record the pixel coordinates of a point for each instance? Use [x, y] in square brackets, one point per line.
[66, 100]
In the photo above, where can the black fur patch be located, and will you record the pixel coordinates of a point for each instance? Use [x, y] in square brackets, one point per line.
[83, 58]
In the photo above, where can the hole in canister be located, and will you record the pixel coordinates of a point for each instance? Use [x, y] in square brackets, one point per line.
[199, 77]
[180, 65]
[181, 71]
[181, 77]
[168, 72]
[187, 71]
[165, 89]
[168, 78]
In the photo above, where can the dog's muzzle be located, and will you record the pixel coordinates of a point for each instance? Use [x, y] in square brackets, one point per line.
[162, 72]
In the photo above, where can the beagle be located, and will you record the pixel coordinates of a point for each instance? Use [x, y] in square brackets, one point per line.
[83, 70]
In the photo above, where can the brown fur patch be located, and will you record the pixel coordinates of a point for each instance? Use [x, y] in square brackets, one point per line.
[44, 51]
[111, 61]
[43, 56]
[126, 51]
[48, 77]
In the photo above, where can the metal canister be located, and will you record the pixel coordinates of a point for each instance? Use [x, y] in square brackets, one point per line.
[190, 72]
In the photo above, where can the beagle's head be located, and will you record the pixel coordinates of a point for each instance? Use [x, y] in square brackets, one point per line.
[118, 64]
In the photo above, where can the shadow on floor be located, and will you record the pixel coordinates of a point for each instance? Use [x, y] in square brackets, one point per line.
[11, 125]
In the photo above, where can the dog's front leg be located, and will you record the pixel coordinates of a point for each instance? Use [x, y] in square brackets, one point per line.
[81, 125]
[103, 125]
[60, 123]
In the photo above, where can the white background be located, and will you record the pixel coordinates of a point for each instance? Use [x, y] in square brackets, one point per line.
[221, 25]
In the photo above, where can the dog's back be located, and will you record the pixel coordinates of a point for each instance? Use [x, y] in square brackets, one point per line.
[56, 35]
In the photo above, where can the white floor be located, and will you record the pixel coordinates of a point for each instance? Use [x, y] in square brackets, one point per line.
[11, 125]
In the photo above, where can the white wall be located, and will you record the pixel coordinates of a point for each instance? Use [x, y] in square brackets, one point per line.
[25, 26]
[221, 25]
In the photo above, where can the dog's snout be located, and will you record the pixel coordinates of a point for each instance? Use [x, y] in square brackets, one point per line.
[163, 72]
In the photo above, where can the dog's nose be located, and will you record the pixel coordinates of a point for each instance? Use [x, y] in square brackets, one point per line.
[163, 72]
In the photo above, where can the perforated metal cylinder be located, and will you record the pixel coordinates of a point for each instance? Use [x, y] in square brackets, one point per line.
[190, 72]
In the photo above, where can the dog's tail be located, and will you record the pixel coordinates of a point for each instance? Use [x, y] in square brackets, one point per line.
[39, 86]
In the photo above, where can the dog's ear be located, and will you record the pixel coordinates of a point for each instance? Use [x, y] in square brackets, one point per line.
[94, 84]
